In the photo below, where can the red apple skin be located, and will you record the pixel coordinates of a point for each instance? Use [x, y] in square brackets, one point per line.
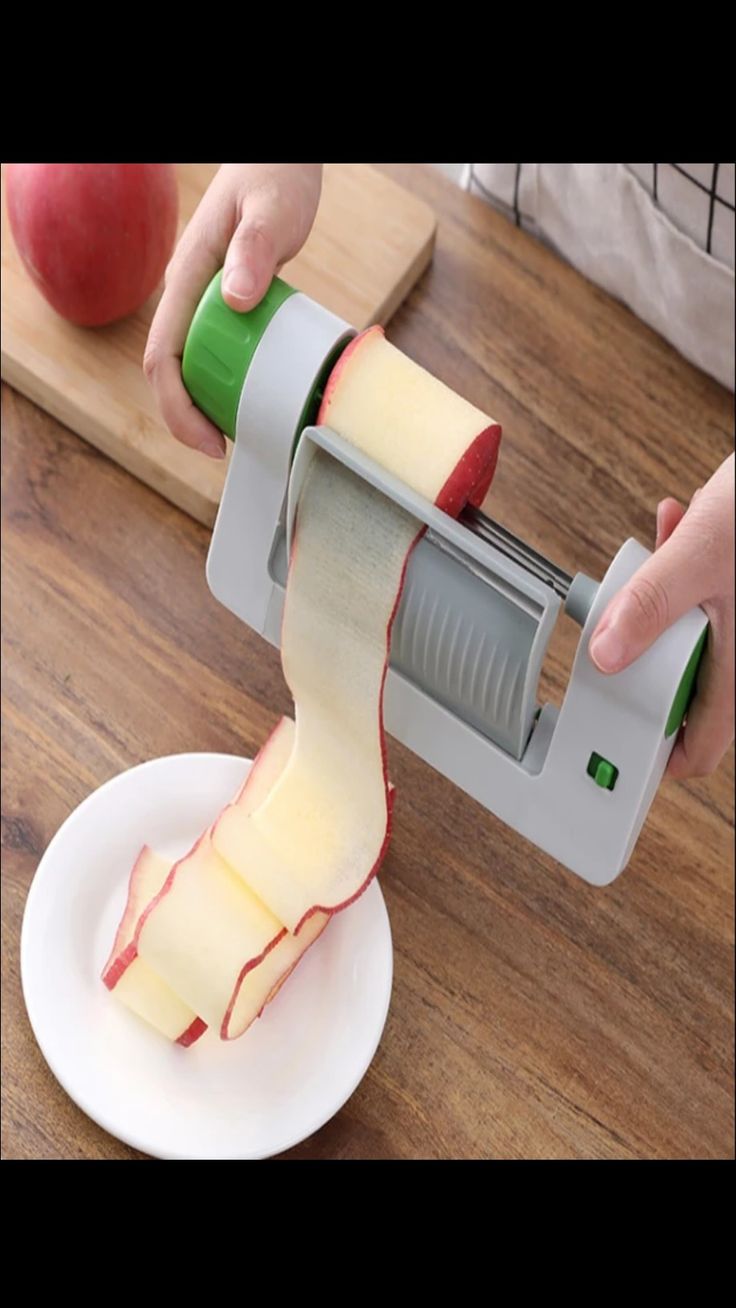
[94, 238]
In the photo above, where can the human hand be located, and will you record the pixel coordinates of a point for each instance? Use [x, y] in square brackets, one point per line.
[252, 219]
[693, 563]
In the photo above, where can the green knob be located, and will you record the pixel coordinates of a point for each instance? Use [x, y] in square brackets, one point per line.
[219, 349]
[686, 688]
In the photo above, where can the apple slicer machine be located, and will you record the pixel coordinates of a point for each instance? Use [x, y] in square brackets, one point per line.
[476, 614]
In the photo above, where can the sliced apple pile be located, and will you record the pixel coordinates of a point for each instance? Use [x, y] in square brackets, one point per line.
[131, 978]
[221, 930]
[211, 955]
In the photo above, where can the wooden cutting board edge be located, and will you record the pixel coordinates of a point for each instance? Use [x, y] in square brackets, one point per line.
[415, 270]
[141, 462]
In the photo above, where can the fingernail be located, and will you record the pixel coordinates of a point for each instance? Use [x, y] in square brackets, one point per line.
[660, 506]
[607, 649]
[212, 448]
[240, 283]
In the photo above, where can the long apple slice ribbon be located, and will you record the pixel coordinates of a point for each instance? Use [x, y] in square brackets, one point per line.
[181, 984]
[309, 830]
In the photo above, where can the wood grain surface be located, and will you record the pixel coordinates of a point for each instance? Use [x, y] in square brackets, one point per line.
[371, 241]
[532, 1016]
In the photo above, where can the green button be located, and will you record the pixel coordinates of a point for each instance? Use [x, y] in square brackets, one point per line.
[603, 773]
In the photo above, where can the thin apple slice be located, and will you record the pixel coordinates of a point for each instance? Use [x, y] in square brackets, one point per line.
[132, 981]
[261, 982]
[309, 831]
[267, 766]
[147, 995]
[319, 836]
[201, 928]
[196, 932]
[320, 833]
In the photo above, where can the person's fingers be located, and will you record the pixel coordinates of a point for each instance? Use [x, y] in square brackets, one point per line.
[194, 263]
[709, 728]
[669, 516]
[690, 566]
[162, 359]
[251, 259]
[182, 417]
[672, 581]
[250, 220]
[276, 215]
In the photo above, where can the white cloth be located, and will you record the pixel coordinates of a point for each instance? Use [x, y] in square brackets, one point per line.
[659, 237]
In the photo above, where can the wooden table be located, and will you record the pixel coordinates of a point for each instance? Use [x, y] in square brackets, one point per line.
[532, 1016]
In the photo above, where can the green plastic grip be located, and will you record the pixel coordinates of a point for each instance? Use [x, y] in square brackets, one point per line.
[219, 349]
[686, 689]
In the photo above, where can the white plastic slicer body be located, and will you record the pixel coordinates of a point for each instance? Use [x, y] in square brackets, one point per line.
[578, 781]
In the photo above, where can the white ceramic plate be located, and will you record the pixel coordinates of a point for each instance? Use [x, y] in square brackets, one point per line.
[249, 1098]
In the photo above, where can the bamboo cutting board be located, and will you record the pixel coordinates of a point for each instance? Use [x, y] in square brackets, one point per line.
[371, 242]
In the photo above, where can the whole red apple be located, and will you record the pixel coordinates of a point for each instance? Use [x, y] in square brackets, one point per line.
[95, 238]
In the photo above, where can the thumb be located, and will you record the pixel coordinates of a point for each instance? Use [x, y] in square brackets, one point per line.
[258, 246]
[669, 516]
[268, 234]
[671, 582]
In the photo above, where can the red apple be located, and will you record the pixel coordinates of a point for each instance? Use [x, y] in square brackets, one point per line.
[95, 238]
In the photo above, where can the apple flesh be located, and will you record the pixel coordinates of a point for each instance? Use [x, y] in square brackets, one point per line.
[131, 979]
[321, 833]
[94, 238]
[311, 826]
[411, 423]
[194, 933]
